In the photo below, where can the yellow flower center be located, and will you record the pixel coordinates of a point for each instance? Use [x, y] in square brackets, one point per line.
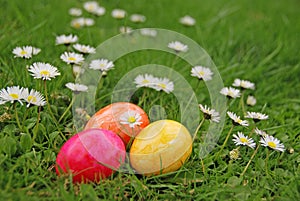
[31, 99]
[131, 119]
[23, 52]
[72, 59]
[14, 96]
[44, 73]
[162, 85]
[77, 25]
[145, 81]
[244, 140]
[239, 121]
[272, 145]
[201, 73]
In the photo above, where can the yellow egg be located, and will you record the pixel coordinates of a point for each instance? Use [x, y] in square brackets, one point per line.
[161, 147]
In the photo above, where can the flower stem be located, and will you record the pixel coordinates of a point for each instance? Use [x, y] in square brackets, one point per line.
[197, 129]
[242, 104]
[25, 116]
[225, 142]
[254, 153]
[37, 124]
[266, 163]
[17, 117]
[68, 108]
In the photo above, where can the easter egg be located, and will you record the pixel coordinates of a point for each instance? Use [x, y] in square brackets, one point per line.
[91, 155]
[123, 118]
[162, 147]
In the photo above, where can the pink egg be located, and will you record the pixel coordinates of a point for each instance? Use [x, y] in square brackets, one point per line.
[91, 155]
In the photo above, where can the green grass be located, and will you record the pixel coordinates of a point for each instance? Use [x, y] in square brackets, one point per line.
[253, 40]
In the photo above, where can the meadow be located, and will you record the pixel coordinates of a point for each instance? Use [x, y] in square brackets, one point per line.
[257, 41]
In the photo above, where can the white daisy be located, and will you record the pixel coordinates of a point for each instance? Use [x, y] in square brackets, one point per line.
[99, 11]
[72, 58]
[91, 6]
[43, 71]
[260, 132]
[251, 100]
[272, 142]
[33, 97]
[66, 39]
[89, 22]
[163, 84]
[187, 20]
[145, 80]
[210, 114]
[148, 32]
[202, 73]
[85, 49]
[178, 46]
[101, 64]
[76, 88]
[11, 94]
[237, 120]
[244, 84]
[256, 116]
[25, 52]
[125, 29]
[241, 139]
[78, 22]
[230, 92]
[75, 11]
[137, 18]
[118, 13]
[132, 118]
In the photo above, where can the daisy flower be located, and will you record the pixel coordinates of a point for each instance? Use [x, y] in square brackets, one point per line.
[99, 11]
[2, 101]
[237, 120]
[187, 20]
[241, 139]
[137, 18]
[75, 11]
[210, 114]
[260, 132]
[85, 49]
[256, 116]
[66, 39]
[72, 58]
[244, 84]
[11, 94]
[43, 71]
[91, 6]
[25, 52]
[88, 22]
[76, 88]
[33, 97]
[163, 84]
[178, 46]
[230, 92]
[118, 13]
[145, 80]
[125, 29]
[78, 22]
[101, 64]
[202, 73]
[132, 118]
[272, 142]
[148, 32]
[251, 100]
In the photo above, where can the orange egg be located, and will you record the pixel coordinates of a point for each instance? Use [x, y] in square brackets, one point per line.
[163, 146]
[123, 118]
